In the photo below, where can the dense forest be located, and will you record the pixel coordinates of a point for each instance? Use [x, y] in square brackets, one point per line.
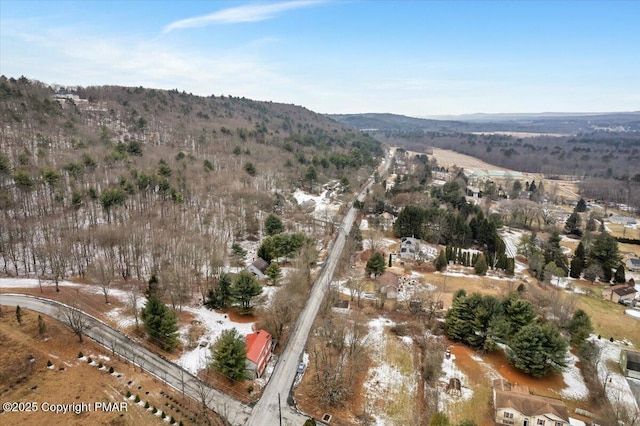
[138, 181]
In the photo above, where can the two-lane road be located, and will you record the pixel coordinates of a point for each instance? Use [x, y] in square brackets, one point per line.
[267, 411]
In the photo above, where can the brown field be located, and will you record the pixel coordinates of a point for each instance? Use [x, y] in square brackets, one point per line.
[447, 158]
[72, 380]
[609, 319]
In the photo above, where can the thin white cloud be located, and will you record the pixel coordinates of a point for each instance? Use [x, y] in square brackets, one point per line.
[240, 14]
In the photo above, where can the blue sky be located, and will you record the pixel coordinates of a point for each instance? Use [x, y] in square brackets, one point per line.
[418, 58]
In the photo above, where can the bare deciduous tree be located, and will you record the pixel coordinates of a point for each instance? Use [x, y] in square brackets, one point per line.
[76, 320]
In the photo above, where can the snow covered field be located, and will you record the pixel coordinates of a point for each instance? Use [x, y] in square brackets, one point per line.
[326, 206]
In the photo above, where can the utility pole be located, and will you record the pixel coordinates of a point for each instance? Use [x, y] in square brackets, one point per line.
[280, 408]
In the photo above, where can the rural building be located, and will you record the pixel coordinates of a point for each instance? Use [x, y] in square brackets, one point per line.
[258, 267]
[630, 363]
[409, 247]
[633, 264]
[620, 292]
[258, 347]
[514, 405]
[389, 284]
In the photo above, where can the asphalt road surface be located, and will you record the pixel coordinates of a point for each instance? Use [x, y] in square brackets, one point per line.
[273, 408]
[274, 398]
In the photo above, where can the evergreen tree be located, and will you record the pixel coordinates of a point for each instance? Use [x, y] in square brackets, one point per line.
[619, 277]
[161, 323]
[309, 422]
[409, 222]
[274, 272]
[152, 285]
[481, 265]
[581, 206]
[273, 225]
[573, 224]
[553, 252]
[42, 327]
[238, 252]
[537, 348]
[220, 296]
[604, 252]
[375, 265]
[229, 355]
[591, 224]
[578, 261]
[245, 287]
[441, 262]
[19, 314]
[576, 268]
[580, 327]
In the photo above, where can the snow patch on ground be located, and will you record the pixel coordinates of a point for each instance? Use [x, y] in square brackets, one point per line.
[451, 371]
[364, 224]
[617, 388]
[633, 312]
[196, 359]
[383, 380]
[33, 282]
[325, 207]
[576, 387]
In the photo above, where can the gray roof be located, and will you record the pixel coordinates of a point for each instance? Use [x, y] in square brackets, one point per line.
[260, 264]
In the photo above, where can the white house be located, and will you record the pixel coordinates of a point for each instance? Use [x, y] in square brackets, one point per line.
[409, 247]
[514, 405]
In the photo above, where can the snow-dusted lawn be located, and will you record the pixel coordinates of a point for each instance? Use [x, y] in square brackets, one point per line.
[576, 387]
[616, 385]
[196, 359]
[325, 207]
[391, 383]
[451, 371]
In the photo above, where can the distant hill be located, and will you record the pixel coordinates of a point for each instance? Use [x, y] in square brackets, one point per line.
[530, 123]
[155, 180]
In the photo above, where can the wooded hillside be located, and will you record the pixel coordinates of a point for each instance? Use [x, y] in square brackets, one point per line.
[138, 180]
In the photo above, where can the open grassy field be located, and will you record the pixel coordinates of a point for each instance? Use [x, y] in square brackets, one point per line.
[609, 319]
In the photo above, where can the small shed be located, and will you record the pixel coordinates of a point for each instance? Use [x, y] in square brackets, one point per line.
[258, 267]
[454, 388]
[619, 293]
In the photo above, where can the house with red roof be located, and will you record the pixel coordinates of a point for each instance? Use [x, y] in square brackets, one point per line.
[258, 347]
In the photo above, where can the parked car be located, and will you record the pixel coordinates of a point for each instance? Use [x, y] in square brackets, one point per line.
[301, 368]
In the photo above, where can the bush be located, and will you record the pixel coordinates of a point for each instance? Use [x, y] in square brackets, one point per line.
[250, 389]
[49, 363]
[128, 394]
[146, 404]
[611, 339]
[111, 370]
[100, 365]
[137, 398]
[80, 354]
[89, 360]
[163, 415]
